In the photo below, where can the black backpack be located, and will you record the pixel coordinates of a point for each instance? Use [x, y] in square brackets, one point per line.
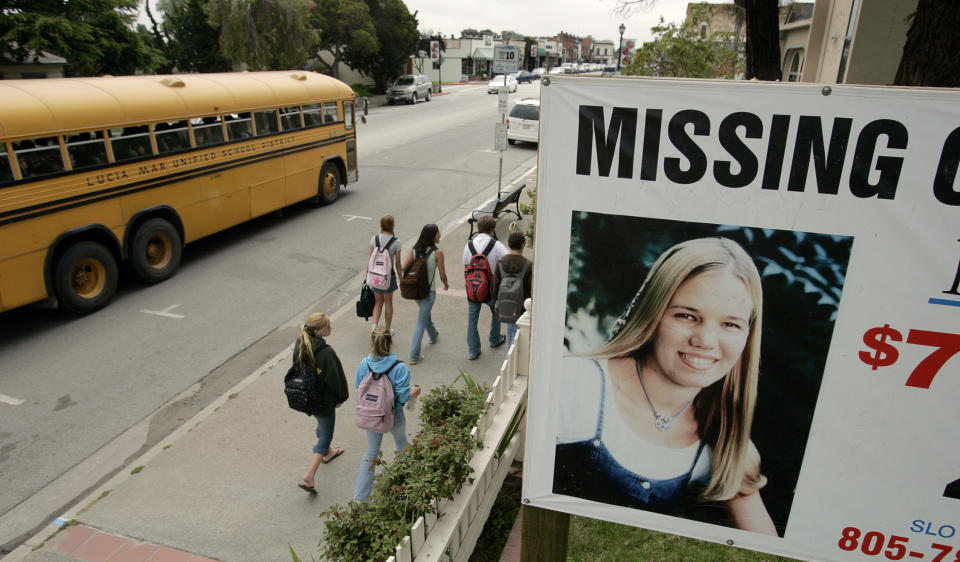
[509, 304]
[366, 303]
[302, 387]
[415, 283]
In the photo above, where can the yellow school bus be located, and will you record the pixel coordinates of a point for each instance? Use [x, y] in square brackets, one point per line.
[99, 171]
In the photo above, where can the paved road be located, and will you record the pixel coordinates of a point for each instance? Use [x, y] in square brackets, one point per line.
[161, 353]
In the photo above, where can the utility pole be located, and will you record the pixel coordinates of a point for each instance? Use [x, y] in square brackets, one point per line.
[620, 50]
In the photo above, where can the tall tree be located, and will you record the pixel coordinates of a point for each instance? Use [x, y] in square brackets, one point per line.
[763, 34]
[763, 38]
[346, 32]
[679, 51]
[930, 53]
[398, 37]
[191, 42]
[95, 36]
[263, 34]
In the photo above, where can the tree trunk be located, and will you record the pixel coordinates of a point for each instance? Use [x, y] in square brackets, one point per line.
[763, 39]
[933, 41]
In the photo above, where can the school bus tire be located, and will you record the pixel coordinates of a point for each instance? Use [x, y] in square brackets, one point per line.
[156, 250]
[86, 277]
[329, 183]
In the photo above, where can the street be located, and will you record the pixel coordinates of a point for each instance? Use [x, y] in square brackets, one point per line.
[81, 396]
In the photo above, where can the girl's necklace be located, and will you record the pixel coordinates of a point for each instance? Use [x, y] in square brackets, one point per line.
[662, 422]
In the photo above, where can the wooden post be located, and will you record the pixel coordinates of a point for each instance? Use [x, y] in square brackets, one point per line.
[545, 534]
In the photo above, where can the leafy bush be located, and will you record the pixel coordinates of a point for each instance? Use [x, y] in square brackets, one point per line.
[361, 90]
[434, 466]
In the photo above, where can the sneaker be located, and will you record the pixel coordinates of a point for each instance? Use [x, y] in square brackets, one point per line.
[434, 340]
[499, 343]
[472, 357]
[414, 361]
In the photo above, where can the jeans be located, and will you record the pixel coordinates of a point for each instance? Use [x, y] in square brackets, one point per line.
[424, 322]
[511, 335]
[324, 434]
[473, 336]
[364, 482]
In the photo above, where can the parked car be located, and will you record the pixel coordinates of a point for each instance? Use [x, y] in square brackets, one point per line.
[539, 73]
[497, 82]
[523, 123]
[557, 70]
[525, 77]
[410, 88]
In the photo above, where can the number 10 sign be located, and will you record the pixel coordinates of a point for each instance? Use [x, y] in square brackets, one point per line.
[506, 59]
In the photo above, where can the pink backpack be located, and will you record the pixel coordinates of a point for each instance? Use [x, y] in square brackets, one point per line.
[380, 266]
[375, 401]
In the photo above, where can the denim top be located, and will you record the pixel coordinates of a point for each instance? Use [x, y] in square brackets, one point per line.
[587, 470]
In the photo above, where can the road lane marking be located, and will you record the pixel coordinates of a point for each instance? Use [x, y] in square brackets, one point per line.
[11, 400]
[355, 217]
[165, 312]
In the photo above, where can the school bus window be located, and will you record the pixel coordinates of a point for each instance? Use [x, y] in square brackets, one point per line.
[290, 118]
[348, 114]
[38, 156]
[6, 171]
[330, 114]
[207, 130]
[266, 122]
[130, 143]
[86, 150]
[239, 126]
[171, 136]
[312, 116]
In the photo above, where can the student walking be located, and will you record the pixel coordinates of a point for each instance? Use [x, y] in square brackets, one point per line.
[389, 243]
[312, 349]
[510, 266]
[482, 244]
[383, 362]
[426, 245]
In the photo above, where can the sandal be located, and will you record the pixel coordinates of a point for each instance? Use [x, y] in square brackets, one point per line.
[308, 488]
[334, 453]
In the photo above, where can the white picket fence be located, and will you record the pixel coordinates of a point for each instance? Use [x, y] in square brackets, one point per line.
[452, 536]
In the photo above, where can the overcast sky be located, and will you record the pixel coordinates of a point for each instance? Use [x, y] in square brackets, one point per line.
[534, 17]
[541, 18]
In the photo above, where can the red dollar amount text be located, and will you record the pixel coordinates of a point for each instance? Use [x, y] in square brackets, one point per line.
[893, 547]
[885, 353]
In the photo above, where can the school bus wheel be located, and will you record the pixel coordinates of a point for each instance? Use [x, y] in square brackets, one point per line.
[329, 183]
[86, 277]
[155, 253]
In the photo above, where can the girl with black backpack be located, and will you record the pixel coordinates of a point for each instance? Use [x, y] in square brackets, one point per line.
[426, 245]
[312, 349]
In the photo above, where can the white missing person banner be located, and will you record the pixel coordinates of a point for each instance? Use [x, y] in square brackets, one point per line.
[746, 321]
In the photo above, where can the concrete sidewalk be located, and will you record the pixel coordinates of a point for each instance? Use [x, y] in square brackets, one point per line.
[224, 485]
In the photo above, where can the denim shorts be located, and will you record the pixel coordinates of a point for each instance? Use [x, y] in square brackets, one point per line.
[393, 285]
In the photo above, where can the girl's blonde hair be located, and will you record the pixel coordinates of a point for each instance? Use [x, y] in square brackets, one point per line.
[387, 223]
[381, 340]
[315, 324]
[724, 410]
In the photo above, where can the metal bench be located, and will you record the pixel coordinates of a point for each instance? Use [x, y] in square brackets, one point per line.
[499, 207]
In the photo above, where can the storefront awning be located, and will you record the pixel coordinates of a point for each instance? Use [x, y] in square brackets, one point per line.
[482, 54]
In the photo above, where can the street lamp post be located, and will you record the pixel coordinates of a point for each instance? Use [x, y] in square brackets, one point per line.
[620, 50]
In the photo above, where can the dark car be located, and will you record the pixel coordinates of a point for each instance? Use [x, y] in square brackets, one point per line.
[525, 76]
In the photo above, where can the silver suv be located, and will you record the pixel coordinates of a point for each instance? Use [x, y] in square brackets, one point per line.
[410, 88]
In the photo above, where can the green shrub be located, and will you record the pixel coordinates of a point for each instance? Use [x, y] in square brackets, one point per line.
[361, 90]
[434, 466]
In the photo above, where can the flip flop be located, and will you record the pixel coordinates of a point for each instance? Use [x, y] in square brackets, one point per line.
[337, 451]
[307, 487]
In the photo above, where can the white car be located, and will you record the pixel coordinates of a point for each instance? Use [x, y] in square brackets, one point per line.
[523, 123]
[539, 72]
[497, 82]
[556, 70]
